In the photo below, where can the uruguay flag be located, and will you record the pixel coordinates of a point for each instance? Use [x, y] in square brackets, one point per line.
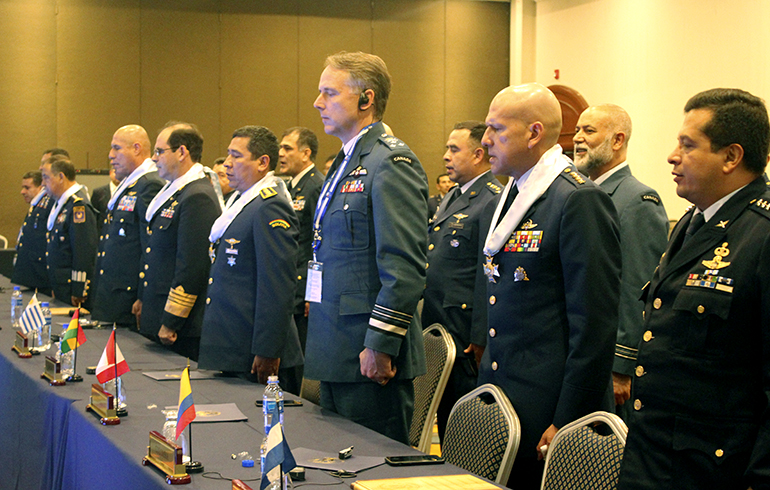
[186, 411]
[32, 317]
[278, 457]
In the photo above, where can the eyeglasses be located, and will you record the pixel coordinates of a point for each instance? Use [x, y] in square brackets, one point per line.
[159, 151]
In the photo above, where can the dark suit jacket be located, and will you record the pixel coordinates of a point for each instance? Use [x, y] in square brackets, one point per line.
[433, 203]
[123, 238]
[251, 289]
[30, 269]
[701, 391]
[305, 197]
[453, 257]
[643, 236]
[100, 197]
[373, 255]
[71, 249]
[176, 261]
[553, 312]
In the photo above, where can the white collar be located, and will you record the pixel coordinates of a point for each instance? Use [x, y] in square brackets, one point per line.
[606, 175]
[295, 180]
[38, 196]
[195, 173]
[468, 184]
[60, 204]
[710, 211]
[146, 167]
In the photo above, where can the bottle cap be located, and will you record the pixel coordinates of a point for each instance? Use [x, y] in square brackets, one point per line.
[272, 379]
[247, 463]
[16, 288]
[44, 304]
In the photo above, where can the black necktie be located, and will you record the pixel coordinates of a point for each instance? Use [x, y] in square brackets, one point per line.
[508, 201]
[289, 187]
[696, 222]
[454, 193]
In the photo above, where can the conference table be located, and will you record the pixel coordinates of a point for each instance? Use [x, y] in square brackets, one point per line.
[49, 441]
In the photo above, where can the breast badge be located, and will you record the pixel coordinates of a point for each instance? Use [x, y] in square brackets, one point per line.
[352, 186]
[127, 203]
[524, 241]
[717, 262]
[231, 251]
[520, 274]
[490, 269]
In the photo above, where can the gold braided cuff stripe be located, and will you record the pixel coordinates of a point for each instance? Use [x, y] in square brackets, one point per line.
[180, 303]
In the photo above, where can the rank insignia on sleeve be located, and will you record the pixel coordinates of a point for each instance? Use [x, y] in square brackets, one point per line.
[280, 223]
[357, 171]
[719, 253]
[268, 192]
[127, 203]
[524, 241]
[352, 186]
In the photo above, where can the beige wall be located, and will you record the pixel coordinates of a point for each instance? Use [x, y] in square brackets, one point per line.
[76, 70]
[650, 56]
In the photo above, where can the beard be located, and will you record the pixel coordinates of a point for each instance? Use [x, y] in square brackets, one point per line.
[595, 157]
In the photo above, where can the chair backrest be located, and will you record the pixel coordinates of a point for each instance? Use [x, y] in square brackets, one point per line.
[581, 457]
[483, 433]
[440, 354]
[3, 242]
[311, 390]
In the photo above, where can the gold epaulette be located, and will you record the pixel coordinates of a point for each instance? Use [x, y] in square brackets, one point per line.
[268, 192]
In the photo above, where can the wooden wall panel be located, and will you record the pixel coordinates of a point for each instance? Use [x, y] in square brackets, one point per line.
[180, 55]
[27, 99]
[409, 36]
[98, 76]
[326, 28]
[259, 67]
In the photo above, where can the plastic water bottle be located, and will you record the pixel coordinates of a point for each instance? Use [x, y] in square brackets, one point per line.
[169, 432]
[67, 359]
[43, 338]
[272, 400]
[17, 303]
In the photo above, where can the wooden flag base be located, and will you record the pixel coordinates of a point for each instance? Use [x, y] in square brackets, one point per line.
[167, 457]
[103, 404]
[21, 347]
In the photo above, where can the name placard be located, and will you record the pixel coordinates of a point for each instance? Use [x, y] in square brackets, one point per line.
[52, 372]
[167, 457]
[21, 346]
[103, 404]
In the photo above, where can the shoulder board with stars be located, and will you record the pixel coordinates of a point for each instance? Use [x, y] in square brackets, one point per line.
[494, 187]
[268, 192]
[576, 177]
[761, 206]
[651, 197]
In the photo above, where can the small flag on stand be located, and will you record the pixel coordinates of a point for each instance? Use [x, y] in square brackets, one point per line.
[74, 336]
[32, 317]
[112, 363]
[278, 457]
[186, 410]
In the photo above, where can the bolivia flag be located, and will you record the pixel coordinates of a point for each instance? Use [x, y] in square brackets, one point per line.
[186, 411]
[74, 336]
[107, 369]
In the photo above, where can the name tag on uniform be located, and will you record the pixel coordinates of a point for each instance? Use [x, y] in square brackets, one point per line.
[314, 281]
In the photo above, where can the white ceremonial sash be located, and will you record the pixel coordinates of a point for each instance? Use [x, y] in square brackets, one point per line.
[146, 167]
[60, 204]
[38, 197]
[545, 171]
[223, 222]
[195, 173]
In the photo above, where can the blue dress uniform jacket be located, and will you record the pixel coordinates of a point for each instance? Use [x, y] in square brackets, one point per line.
[122, 240]
[553, 312]
[176, 261]
[251, 289]
[304, 198]
[453, 258]
[702, 384]
[643, 236]
[373, 255]
[71, 249]
[30, 267]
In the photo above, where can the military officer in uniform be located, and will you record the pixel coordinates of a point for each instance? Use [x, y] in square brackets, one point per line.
[701, 391]
[298, 150]
[71, 244]
[364, 343]
[601, 145]
[453, 258]
[175, 263]
[124, 232]
[552, 272]
[248, 323]
[443, 184]
[30, 267]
